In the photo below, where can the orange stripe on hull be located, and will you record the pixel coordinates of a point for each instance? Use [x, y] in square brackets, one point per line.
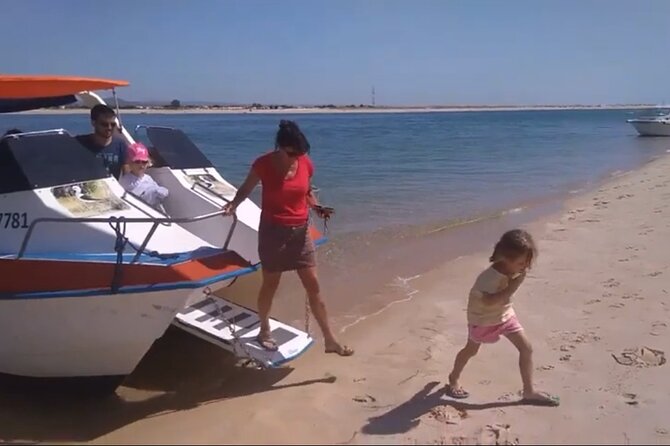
[26, 276]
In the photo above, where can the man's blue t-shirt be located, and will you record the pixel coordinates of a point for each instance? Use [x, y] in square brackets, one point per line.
[113, 155]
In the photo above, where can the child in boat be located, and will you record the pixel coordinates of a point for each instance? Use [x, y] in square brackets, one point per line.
[491, 315]
[137, 181]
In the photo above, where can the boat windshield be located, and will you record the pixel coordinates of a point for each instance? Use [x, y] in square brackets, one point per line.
[172, 148]
[35, 161]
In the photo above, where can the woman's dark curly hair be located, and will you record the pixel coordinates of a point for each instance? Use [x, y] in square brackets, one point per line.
[290, 135]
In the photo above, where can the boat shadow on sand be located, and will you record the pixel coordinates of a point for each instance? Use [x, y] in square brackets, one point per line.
[179, 373]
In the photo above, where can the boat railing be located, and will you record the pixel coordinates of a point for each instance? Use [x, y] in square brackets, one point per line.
[37, 133]
[116, 221]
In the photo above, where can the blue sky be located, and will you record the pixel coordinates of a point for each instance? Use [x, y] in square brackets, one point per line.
[318, 51]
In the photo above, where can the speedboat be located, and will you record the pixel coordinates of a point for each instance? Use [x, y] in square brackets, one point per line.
[652, 125]
[92, 275]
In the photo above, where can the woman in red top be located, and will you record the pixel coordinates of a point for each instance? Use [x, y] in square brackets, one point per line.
[284, 243]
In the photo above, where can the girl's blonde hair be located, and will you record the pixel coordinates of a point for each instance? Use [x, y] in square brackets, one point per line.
[513, 244]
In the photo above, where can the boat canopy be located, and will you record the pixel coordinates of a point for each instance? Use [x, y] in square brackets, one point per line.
[20, 93]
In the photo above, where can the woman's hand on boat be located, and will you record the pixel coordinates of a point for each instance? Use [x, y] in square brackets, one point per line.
[323, 211]
[229, 209]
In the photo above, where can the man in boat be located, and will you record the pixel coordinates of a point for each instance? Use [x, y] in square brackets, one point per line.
[104, 142]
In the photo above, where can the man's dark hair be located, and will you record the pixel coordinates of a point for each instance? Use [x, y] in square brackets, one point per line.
[101, 110]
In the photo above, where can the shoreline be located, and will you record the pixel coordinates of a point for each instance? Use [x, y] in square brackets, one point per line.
[340, 110]
[389, 391]
[603, 258]
[431, 245]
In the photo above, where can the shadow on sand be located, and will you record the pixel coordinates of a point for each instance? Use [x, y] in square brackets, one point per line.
[180, 372]
[407, 416]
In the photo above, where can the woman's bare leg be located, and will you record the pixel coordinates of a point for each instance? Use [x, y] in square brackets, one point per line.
[310, 281]
[265, 295]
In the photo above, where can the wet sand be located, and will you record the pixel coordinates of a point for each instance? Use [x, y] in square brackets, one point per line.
[596, 307]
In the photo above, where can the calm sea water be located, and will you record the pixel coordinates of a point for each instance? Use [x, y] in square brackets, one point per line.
[381, 170]
[395, 179]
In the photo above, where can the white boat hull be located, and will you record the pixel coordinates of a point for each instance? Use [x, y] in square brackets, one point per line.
[104, 335]
[651, 128]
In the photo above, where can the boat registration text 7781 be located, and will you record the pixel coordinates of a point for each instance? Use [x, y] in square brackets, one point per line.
[13, 220]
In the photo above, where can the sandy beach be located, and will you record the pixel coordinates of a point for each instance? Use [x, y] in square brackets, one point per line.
[341, 109]
[596, 308]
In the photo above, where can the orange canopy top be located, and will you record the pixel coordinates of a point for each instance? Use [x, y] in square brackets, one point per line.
[26, 87]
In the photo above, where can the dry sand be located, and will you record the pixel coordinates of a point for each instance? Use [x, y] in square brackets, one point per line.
[600, 289]
[342, 109]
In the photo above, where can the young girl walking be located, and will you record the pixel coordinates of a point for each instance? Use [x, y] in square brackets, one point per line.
[491, 315]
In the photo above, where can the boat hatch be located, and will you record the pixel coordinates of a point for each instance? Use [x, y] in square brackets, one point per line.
[35, 161]
[235, 329]
[172, 148]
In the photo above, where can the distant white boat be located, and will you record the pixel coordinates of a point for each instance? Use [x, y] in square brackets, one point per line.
[652, 125]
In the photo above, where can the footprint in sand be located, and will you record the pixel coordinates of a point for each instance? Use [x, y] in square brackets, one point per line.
[640, 357]
[618, 305]
[586, 338]
[630, 399]
[632, 296]
[365, 398]
[497, 434]
[448, 414]
[621, 197]
[545, 368]
[658, 328]
[611, 283]
[573, 339]
[655, 274]
[593, 301]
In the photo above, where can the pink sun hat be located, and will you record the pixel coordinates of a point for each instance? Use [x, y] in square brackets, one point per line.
[138, 152]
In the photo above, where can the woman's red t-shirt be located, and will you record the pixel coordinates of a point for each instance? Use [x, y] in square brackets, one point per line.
[284, 201]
